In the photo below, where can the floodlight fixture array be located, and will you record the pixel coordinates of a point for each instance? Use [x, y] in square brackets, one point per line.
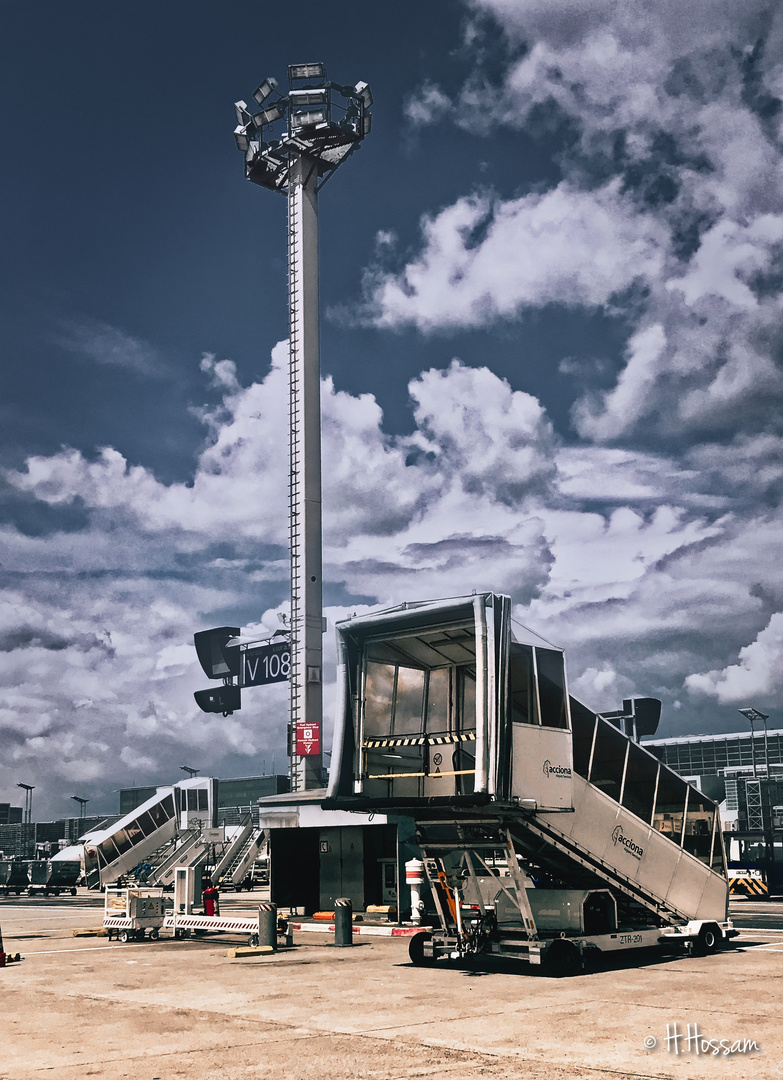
[325, 120]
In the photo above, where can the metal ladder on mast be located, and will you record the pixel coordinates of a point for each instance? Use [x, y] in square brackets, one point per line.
[294, 530]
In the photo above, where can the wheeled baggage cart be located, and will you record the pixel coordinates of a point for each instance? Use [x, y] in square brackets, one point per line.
[129, 914]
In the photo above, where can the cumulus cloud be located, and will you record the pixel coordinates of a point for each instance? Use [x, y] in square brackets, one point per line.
[671, 188]
[757, 674]
[485, 258]
[241, 467]
[601, 688]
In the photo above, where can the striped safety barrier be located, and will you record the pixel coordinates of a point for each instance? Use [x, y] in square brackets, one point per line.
[209, 922]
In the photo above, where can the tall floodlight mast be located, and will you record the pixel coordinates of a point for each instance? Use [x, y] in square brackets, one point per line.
[294, 145]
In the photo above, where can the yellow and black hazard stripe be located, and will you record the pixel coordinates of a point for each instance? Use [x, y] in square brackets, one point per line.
[443, 740]
[419, 740]
[747, 886]
[407, 740]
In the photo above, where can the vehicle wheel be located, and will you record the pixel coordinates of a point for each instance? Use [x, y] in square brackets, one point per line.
[253, 941]
[139, 935]
[592, 959]
[154, 933]
[708, 941]
[563, 959]
[416, 949]
[124, 936]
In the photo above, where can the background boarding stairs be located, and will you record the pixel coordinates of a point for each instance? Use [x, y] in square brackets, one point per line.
[238, 859]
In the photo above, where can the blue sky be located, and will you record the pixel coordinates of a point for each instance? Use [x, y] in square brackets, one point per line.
[551, 350]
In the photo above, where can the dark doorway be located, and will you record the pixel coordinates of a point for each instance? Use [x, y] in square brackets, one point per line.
[599, 913]
[294, 868]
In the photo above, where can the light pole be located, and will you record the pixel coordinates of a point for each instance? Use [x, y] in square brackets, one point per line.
[764, 793]
[321, 124]
[28, 801]
[82, 806]
[752, 715]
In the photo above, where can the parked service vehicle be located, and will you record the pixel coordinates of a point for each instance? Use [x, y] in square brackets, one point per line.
[13, 877]
[748, 880]
[50, 877]
[448, 716]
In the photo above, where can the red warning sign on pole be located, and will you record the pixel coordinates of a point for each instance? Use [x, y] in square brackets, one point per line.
[308, 739]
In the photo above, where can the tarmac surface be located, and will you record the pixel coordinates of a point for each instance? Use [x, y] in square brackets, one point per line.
[87, 1007]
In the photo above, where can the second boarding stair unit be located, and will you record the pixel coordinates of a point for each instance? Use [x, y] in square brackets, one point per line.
[545, 832]
[237, 861]
[191, 849]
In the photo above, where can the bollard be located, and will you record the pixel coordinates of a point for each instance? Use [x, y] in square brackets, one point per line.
[414, 878]
[343, 921]
[267, 925]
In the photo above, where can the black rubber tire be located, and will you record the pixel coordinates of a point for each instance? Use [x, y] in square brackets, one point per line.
[124, 936]
[416, 949]
[253, 941]
[154, 933]
[708, 941]
[563, 959]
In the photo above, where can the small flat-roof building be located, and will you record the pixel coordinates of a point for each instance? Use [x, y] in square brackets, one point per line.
[318, 855]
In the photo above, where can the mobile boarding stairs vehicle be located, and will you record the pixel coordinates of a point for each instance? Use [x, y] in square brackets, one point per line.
[545, 833]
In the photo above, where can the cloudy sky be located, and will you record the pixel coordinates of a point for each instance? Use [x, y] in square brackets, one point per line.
[551, 351]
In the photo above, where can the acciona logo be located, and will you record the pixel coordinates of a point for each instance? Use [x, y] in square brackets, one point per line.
[619, 837]
[560, 772]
